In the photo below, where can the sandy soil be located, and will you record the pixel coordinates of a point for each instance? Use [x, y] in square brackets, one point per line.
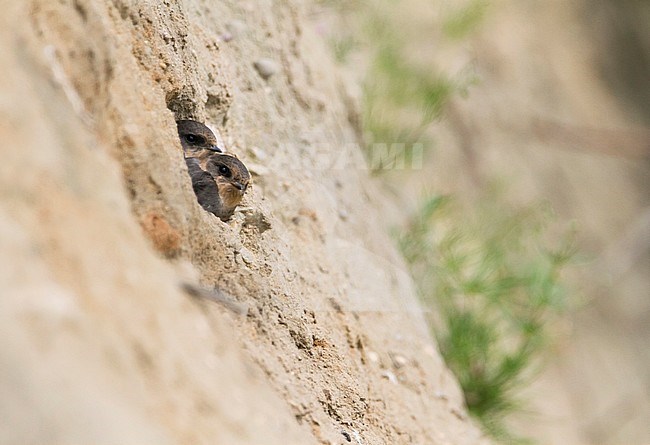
[99, 228]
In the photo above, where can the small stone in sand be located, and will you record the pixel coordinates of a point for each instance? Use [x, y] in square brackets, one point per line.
[266, 68]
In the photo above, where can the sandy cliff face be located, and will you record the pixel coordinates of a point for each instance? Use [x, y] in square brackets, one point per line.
[99, 225]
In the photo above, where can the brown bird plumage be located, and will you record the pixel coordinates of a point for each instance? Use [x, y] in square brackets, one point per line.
[219, 180]
[198, 141]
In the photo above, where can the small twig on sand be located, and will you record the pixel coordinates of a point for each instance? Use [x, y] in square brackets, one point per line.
[214, 295]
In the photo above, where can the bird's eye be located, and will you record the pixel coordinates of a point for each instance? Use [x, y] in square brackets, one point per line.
[194, 139]
[224, 171]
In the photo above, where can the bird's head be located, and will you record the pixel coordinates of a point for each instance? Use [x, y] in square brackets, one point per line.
[196, 137]
[232, 178]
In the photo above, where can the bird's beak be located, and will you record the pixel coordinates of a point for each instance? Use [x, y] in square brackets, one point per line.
[239, 186]
[215, 148]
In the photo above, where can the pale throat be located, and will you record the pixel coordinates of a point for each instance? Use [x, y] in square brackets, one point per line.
[229, 194]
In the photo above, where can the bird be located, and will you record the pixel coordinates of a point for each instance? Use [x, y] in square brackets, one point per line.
[221, 186]
[232, 179]
[197, 140]
[219, 180]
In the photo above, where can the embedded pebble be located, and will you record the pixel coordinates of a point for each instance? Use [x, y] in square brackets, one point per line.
[430, 350]
[266, 68]
[236, 28]
[398, 360]
[440, 395]
[373, 356]
[259, 153]
[458, 413]
[390, 376]
[258, 220]
[247, 256]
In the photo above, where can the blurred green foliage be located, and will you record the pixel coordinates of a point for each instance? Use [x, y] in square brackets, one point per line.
[464, 20]
[493, 283]
[401, 98]
[496, 288]
[342, 47]
[404, 94]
